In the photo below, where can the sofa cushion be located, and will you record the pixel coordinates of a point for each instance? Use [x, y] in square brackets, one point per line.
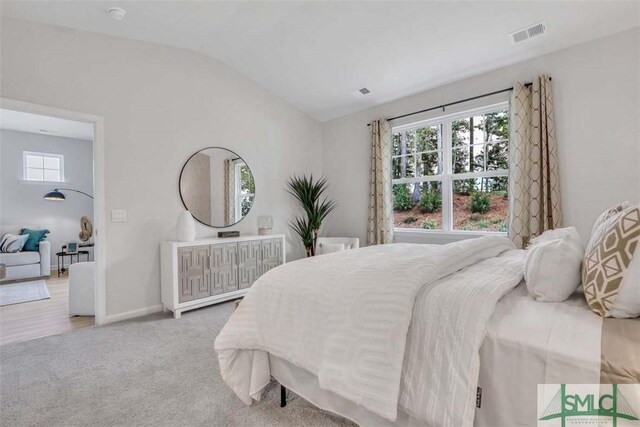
[35, 237]
[20, 258]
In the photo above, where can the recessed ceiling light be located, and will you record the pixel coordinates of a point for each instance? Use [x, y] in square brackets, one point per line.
[364, 91]
[116, 13]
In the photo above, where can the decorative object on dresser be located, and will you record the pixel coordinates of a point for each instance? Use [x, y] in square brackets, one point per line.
[185, 227]
[208, 271]
[265, 225]
[309, 193]
[217, 187]
[227, 234]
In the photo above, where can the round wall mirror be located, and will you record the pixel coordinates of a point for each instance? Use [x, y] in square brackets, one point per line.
[217, 187]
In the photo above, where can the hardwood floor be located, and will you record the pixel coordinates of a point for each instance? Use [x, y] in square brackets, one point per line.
[29, 320]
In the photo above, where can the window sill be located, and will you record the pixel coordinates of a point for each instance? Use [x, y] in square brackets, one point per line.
[437, 236]
[47, 183]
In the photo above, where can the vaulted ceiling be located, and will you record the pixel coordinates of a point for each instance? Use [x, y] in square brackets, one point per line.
[316, 55]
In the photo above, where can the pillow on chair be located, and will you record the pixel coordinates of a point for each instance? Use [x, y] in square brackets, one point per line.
[327, 248]
[610, 271]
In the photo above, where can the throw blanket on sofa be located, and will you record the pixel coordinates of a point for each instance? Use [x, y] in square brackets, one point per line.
[344, 317]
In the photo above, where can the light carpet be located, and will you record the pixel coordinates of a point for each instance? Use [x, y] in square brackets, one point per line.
[150, 371]
[17, 293]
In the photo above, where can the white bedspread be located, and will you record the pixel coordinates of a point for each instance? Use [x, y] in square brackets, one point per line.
[345, 317]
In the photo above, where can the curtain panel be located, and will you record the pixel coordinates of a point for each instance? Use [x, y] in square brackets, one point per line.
[533, 163]
[380, 225]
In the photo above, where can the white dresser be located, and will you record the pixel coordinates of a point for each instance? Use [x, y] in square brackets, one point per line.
[208, 271]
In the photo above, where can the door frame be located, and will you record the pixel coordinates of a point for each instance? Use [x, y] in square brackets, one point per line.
[99, 207]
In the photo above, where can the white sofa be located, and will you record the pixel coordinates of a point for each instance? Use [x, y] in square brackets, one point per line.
[26, 264]
[82, 289]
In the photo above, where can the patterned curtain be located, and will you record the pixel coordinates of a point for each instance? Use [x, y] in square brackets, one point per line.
[380, 228]
[533, 163]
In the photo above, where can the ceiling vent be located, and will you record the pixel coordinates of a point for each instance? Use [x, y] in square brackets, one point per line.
[364, 91]
[528, 33]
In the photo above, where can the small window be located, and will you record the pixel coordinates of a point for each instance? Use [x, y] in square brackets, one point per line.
[43, 167]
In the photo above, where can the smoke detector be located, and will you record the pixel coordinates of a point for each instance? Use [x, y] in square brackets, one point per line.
[116, 13]
[527, 33]
[364, 91]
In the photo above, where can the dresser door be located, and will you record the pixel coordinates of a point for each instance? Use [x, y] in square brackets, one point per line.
[224, 268]
[271, 254]
[248, 263]
[193, 273]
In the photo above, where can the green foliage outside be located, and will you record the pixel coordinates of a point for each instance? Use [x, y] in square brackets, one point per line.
[429, 224]
[410, 219]
[480, 202]
[430, 202]
[402, 198]
[248, 189]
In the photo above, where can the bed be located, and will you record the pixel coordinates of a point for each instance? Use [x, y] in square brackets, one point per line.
[417, 335]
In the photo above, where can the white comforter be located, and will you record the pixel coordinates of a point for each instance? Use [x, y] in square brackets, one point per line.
[345, 317]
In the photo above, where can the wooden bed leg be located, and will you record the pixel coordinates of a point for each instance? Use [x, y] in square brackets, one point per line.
[283, 396]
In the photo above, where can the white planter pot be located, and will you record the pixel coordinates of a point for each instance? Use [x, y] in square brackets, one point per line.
[186, 227]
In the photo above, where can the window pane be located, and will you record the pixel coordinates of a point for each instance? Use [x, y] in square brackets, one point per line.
[480, 142]
[418, 205]
[51, 175]
[52, 163]
[404, 167]
[34, 161]
[480, 204]
[35, 174]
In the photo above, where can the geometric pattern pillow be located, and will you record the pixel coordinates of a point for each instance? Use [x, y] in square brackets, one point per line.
[608, 256]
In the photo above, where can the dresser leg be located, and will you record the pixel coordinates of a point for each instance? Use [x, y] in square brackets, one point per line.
[283, 396]
[177, 314]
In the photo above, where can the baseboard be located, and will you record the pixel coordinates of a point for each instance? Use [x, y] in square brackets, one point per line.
[131, 314]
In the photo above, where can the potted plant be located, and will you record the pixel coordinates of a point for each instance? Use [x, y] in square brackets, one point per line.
[309, 194]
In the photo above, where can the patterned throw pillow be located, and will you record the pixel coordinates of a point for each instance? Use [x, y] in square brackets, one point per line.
[11, 243]
[608, 256]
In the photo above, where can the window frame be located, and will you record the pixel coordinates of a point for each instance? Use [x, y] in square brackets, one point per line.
[447, 176]
[25, 178]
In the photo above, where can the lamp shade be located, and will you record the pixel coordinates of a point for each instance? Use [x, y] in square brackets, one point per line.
[54, 195]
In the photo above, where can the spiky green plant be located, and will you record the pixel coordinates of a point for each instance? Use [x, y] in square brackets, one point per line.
[309, 194]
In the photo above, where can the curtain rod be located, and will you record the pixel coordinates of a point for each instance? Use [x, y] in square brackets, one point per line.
[443, 106]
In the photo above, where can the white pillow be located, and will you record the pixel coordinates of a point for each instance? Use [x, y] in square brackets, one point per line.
[12, 243]
[552, 269]
[569, 233]
[327, 248]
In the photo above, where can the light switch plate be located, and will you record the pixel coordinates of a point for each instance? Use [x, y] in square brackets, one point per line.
[118, 215]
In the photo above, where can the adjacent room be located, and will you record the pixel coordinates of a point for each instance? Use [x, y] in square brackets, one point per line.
[311, 213]
[46, 225]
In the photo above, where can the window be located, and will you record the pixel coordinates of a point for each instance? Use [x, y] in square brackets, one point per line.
[42, 167]
[451, 173]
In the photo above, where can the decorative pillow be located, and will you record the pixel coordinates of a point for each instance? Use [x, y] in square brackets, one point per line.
[12, 243]
[552, 267]
[35, 237]
[327, 248]
[569, 233]
[607, 261]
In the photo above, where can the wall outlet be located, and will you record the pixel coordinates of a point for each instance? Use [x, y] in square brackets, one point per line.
[118, 215]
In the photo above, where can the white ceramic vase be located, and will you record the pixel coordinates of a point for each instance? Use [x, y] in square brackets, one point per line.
[186, 227]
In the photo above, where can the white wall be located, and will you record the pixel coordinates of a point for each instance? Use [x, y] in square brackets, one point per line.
[596, 93]
[21, 203]
[160, 105]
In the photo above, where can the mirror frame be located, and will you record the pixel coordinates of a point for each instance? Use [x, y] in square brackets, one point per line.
[185, 205]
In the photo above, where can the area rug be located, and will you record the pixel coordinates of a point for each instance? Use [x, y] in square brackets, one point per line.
[17, 293]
